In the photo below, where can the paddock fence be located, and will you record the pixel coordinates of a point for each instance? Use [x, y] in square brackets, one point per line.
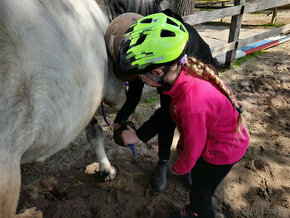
[236, 13]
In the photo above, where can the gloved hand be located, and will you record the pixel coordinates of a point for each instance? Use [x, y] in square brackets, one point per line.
[117, 131]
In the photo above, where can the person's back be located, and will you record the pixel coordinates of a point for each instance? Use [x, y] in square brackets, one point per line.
[197, 105]
[198, 48]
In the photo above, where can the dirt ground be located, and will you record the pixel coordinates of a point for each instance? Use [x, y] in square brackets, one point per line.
[258, 186]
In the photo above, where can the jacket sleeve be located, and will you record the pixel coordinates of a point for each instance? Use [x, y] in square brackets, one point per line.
[149, 128]
[160, 122]
[195, 134]
[133, 97]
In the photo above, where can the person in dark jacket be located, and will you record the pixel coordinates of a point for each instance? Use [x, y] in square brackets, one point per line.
[160, 122]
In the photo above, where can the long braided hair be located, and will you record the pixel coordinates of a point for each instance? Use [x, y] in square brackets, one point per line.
[208, 73]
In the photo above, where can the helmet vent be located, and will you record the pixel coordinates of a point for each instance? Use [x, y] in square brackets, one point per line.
[169, 21]
[182, 29]
[125, 45]
[167, 33]
[129, 30]
[149, 20]
[147, 53]
[141, 39]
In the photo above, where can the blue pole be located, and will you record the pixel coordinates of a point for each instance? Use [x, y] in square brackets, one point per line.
[133, 150]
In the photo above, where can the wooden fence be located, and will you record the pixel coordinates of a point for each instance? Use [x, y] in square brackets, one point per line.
[236, 12]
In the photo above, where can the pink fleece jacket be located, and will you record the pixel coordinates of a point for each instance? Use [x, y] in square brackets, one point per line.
[206, 121]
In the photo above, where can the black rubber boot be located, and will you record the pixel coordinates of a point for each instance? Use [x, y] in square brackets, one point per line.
[188, 179]
[158, 181]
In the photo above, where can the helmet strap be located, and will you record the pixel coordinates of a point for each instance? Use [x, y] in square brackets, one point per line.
[165, 71]
[181, 62]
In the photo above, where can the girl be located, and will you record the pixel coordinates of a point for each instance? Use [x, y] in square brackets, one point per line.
[212, 134]
[160, 122]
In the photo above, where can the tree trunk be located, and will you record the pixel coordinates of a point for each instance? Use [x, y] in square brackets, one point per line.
[183, 7]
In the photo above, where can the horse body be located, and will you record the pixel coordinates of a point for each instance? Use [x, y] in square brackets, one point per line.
[53, 76]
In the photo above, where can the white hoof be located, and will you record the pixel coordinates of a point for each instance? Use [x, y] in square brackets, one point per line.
[112, 174]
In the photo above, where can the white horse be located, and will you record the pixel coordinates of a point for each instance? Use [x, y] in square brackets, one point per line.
[53, 76]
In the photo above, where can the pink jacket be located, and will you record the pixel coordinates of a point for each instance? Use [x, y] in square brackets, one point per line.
[206, 121]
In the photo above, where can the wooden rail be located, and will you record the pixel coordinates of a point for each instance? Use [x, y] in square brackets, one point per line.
[213, 5]
[236, 12]
[243, 42]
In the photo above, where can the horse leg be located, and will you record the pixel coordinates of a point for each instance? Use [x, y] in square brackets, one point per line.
[95, 136]
[10, 181]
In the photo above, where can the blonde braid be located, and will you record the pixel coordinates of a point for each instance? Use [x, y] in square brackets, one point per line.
[202, 71]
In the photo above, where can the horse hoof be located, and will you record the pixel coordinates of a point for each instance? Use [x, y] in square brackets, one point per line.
[112, 174]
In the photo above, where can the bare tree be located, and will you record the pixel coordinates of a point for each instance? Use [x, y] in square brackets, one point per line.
[183, 7]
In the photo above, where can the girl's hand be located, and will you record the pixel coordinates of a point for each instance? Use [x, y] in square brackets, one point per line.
[129, 136]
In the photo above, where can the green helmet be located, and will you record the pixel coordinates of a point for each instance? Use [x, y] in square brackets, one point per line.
[152, 41]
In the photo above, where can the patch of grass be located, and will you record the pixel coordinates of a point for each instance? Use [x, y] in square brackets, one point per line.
[274, 24]
[150, 100]
[110, 115]
[204, 9]
[241, 60]
[259, 12]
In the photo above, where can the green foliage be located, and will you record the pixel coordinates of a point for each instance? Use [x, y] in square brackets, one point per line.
[274, 24]
[241, 60]
[111, 115]
[259, 12]
[150, 100]
[204, 9]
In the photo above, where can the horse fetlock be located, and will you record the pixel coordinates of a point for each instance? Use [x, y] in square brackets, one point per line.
[108, 171]
[113, 173]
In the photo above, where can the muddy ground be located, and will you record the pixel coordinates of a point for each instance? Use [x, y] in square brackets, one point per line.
[258, 186]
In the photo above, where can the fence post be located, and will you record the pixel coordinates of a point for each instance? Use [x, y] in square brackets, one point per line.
[234, 33]
[274, 17]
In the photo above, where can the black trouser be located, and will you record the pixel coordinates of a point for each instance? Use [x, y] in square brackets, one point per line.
[162, 124]
[165, 128]
[205, 178]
